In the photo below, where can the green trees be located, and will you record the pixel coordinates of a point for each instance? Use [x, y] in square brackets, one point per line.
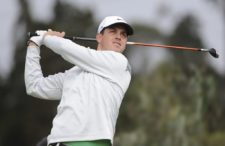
[24, 119]
[180, 103]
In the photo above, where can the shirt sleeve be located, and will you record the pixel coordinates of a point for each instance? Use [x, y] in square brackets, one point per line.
[104, 63]
[36, 85]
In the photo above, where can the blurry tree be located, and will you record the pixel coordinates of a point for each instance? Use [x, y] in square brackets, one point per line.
[215, 106]
[177, 103]
[166, 108]
[216, 116]
[186, 34]
[25, 120]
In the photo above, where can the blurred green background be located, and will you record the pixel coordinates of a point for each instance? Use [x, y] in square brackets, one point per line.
[180, 102]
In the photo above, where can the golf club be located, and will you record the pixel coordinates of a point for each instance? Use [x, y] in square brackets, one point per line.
[211, 51]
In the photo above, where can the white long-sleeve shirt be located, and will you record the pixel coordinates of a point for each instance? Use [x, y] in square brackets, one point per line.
[90, 93]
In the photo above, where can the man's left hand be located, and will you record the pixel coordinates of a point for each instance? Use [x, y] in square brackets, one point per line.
[54, 33]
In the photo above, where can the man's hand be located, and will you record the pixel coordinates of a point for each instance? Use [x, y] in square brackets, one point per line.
[38, 39]
[54, 33]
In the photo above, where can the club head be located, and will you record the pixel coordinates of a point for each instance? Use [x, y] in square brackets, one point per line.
[212, 51]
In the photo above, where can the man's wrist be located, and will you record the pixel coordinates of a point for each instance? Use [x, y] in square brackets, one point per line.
[31, 43]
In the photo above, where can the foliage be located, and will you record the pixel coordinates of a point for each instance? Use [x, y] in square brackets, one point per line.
[168, 107]
[25, 120]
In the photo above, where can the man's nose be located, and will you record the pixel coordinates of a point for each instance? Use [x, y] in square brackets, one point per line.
[118, 35]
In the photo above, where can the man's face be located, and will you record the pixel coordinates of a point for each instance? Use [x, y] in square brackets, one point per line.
[113, 38]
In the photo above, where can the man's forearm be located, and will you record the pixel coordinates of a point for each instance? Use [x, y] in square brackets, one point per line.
[32, 66]
[36, 84]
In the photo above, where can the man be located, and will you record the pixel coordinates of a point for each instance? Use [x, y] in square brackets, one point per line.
[91, 92]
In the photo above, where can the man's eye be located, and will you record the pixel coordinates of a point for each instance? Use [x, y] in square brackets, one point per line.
[124, 34]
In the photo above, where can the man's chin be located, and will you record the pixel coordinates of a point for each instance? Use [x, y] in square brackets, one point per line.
[119, 50]
[116, 48]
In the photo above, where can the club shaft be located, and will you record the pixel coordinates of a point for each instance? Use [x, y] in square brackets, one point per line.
[164, 46]
[79, 38]
[73, 38]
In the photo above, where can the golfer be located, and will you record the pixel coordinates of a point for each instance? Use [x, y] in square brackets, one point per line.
[91, 92]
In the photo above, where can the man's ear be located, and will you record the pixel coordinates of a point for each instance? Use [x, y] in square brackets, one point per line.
[99, 37]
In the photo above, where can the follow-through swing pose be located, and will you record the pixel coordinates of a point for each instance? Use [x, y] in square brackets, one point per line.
[91, 92]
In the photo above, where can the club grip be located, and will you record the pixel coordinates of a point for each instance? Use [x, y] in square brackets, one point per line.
[30, 34]
[73, 38]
